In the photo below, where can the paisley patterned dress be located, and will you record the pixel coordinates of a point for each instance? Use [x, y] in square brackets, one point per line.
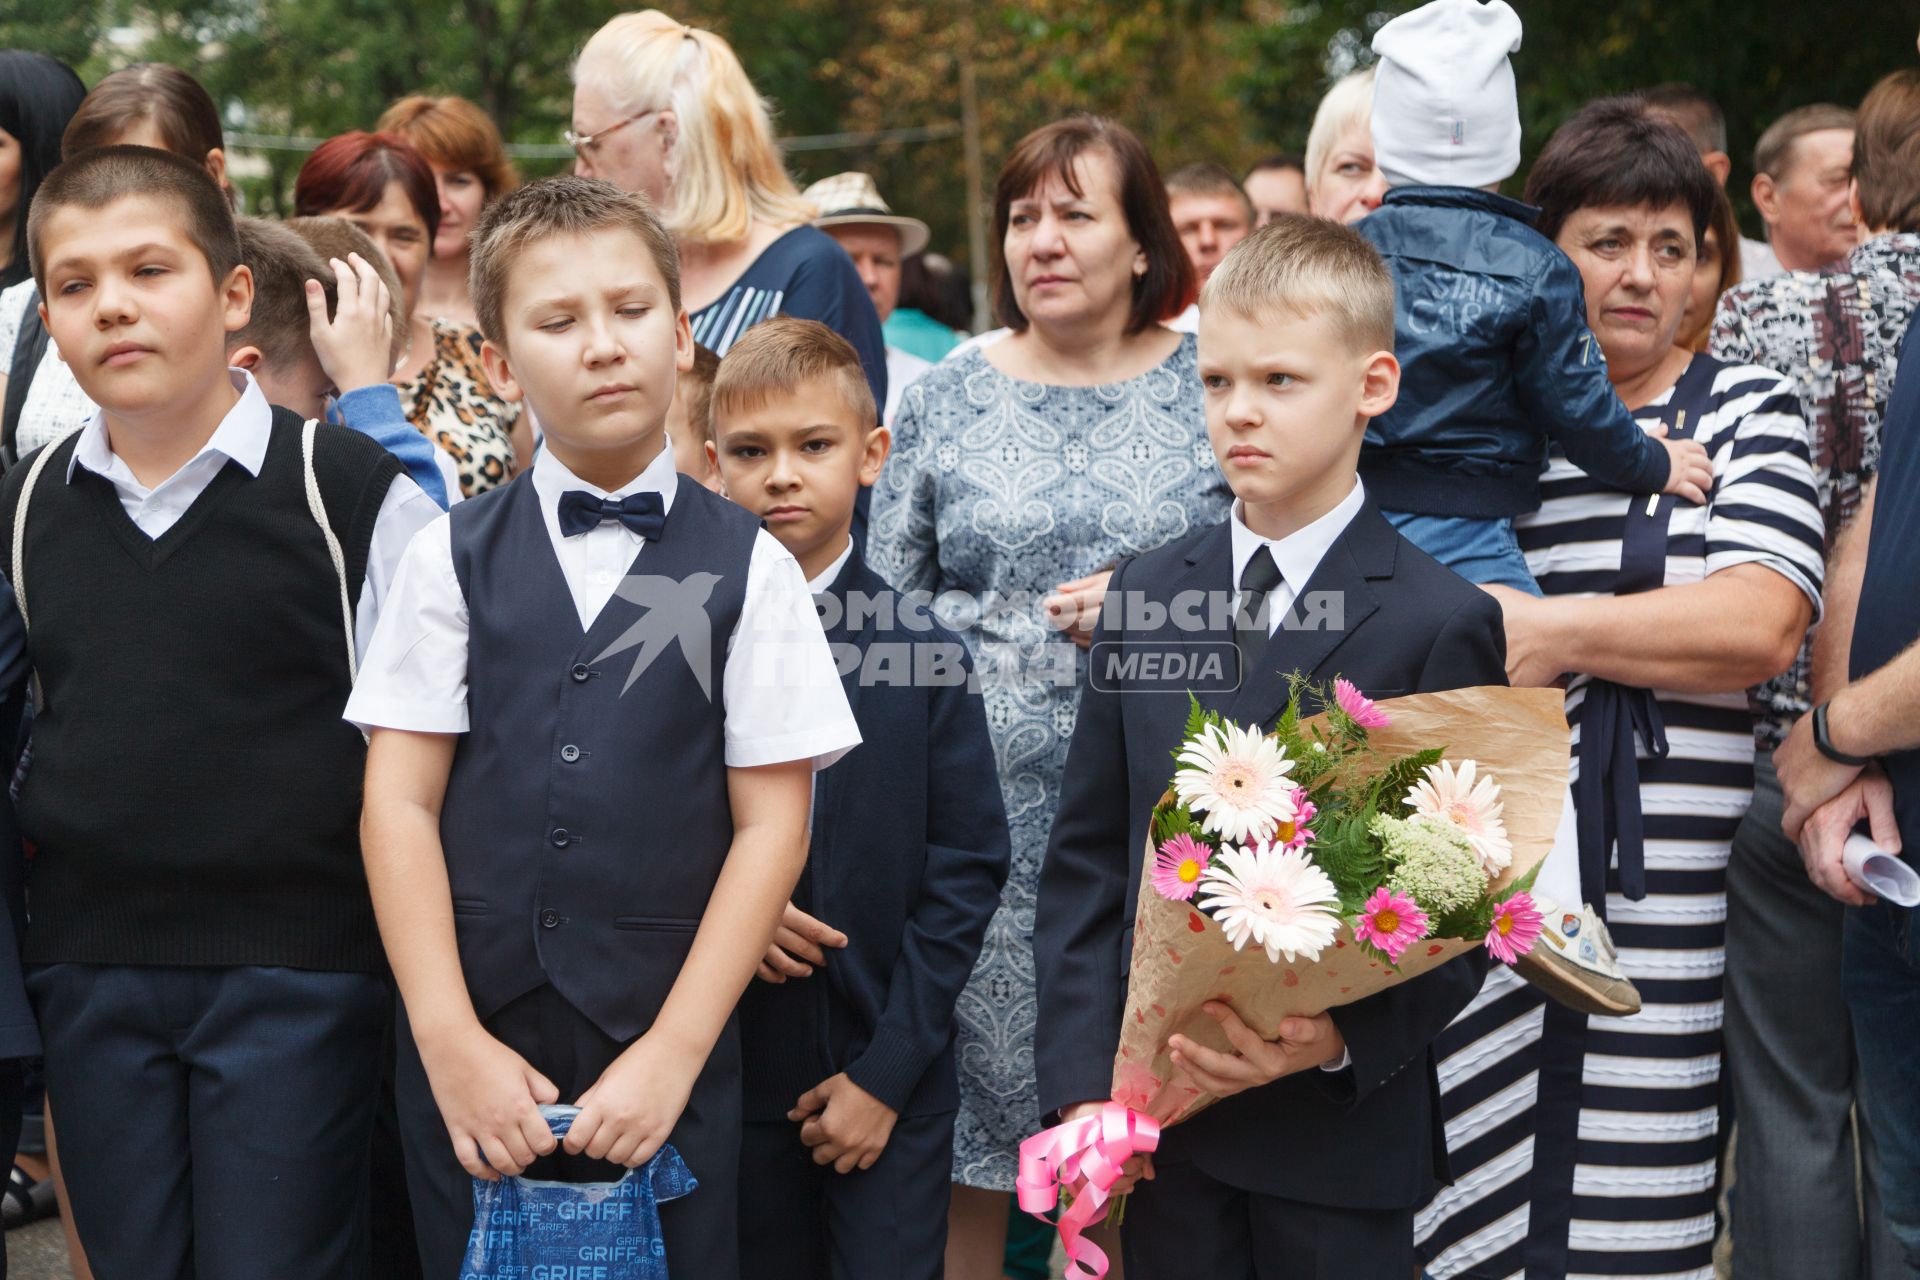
[999, 490]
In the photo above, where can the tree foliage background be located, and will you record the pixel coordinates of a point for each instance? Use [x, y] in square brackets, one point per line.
[1227, 80]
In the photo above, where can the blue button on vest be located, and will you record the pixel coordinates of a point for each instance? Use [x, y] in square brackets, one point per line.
[586, 816]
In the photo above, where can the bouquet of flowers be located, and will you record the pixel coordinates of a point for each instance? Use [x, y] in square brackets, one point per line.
[1292, 872]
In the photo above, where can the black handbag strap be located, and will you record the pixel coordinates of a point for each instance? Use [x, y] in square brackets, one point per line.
[29, 348]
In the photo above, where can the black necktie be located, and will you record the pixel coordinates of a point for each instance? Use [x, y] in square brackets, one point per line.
[1257, 581]
[644, 513]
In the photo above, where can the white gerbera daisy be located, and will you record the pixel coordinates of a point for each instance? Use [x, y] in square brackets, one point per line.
[1237, 780]
[1275, 898]
[1469, 804]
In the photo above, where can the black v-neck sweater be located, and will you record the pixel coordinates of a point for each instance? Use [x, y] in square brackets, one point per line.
[194, 796]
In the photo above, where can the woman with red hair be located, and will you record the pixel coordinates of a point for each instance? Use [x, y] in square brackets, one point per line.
[382, 185]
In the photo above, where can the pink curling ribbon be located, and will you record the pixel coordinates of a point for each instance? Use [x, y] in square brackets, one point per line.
[1091, 1152]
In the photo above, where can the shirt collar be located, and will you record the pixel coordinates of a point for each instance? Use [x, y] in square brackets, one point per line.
[1300, 552]
[832, 572]
[1463, 198]
[241, 436]
[551, 478]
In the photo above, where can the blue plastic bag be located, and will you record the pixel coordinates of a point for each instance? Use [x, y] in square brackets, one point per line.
[529, 1230]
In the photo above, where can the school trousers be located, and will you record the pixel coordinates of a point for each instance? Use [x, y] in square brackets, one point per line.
[215, 1123]
[888, 1222]
[1185, 1224]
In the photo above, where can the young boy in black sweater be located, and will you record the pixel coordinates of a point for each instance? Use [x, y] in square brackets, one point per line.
[190, 568]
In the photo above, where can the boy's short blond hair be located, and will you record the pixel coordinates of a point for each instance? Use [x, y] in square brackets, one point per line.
[1308, 266]
[697, 385]
[333, 237]
[778, 355]
[559, 206]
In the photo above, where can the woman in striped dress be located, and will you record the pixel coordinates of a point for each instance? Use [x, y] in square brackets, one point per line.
[1587, 1146]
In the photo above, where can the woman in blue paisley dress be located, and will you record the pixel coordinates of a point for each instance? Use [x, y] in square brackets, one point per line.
[1022, 472]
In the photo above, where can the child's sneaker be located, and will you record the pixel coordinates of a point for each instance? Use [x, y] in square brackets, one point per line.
[1576, 964]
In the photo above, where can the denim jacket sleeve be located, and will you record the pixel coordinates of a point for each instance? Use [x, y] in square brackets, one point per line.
[375, 412]
[1561, 379]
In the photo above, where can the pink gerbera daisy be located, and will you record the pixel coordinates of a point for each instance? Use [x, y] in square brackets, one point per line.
[1391, 921]
[1358, 706]
[1178, 866]
[1516, 927]
[1295, 834]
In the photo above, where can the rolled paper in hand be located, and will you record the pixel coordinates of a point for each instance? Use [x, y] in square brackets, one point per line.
[1882, 874]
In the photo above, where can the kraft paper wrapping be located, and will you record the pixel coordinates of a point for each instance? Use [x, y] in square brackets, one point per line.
[1182, 959]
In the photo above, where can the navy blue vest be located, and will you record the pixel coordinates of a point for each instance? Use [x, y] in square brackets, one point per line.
[586, 817]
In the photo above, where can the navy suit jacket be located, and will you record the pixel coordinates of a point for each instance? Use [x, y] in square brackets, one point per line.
[908, 854]
[1365, 1137]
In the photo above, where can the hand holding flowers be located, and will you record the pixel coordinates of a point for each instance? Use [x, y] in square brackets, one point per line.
[1303, 1043]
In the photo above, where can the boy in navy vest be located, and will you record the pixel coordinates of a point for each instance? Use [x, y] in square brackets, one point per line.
[850, 1081]
[1329, 1135]
[596, 706]
[195, 571]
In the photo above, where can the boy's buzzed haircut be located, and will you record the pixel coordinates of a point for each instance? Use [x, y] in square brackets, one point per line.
[779, 354]
[97, 178]
[556, 207]
[333, 237]
[1308, 266]
[699, 384]
[281, 263]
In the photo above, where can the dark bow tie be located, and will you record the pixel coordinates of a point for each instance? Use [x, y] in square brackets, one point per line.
[644, 513]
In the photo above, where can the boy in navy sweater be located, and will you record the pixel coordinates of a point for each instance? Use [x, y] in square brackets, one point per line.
[192, 569]
[1326, 1138]
[596, 709]
[850, 1080]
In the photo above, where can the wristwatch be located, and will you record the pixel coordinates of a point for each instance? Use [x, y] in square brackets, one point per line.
[1825, 743]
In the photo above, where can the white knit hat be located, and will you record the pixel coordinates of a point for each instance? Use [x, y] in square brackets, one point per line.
[1444, 109]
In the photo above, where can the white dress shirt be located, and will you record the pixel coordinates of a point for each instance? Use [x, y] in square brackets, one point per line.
[826, 576]
[1298, 554]
[242, 438]
[782, 696]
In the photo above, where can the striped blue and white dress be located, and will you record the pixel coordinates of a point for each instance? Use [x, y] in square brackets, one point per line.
[1585, 1147]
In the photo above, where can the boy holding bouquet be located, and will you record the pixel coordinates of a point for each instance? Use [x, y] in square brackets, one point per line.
[586, 798]
[1329, 1136]
[847, 1043]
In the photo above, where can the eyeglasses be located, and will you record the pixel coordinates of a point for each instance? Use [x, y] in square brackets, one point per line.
[584, 144]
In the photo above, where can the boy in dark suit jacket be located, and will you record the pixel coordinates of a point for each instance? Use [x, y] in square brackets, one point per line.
[849, 1072]
[1329, 1136]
